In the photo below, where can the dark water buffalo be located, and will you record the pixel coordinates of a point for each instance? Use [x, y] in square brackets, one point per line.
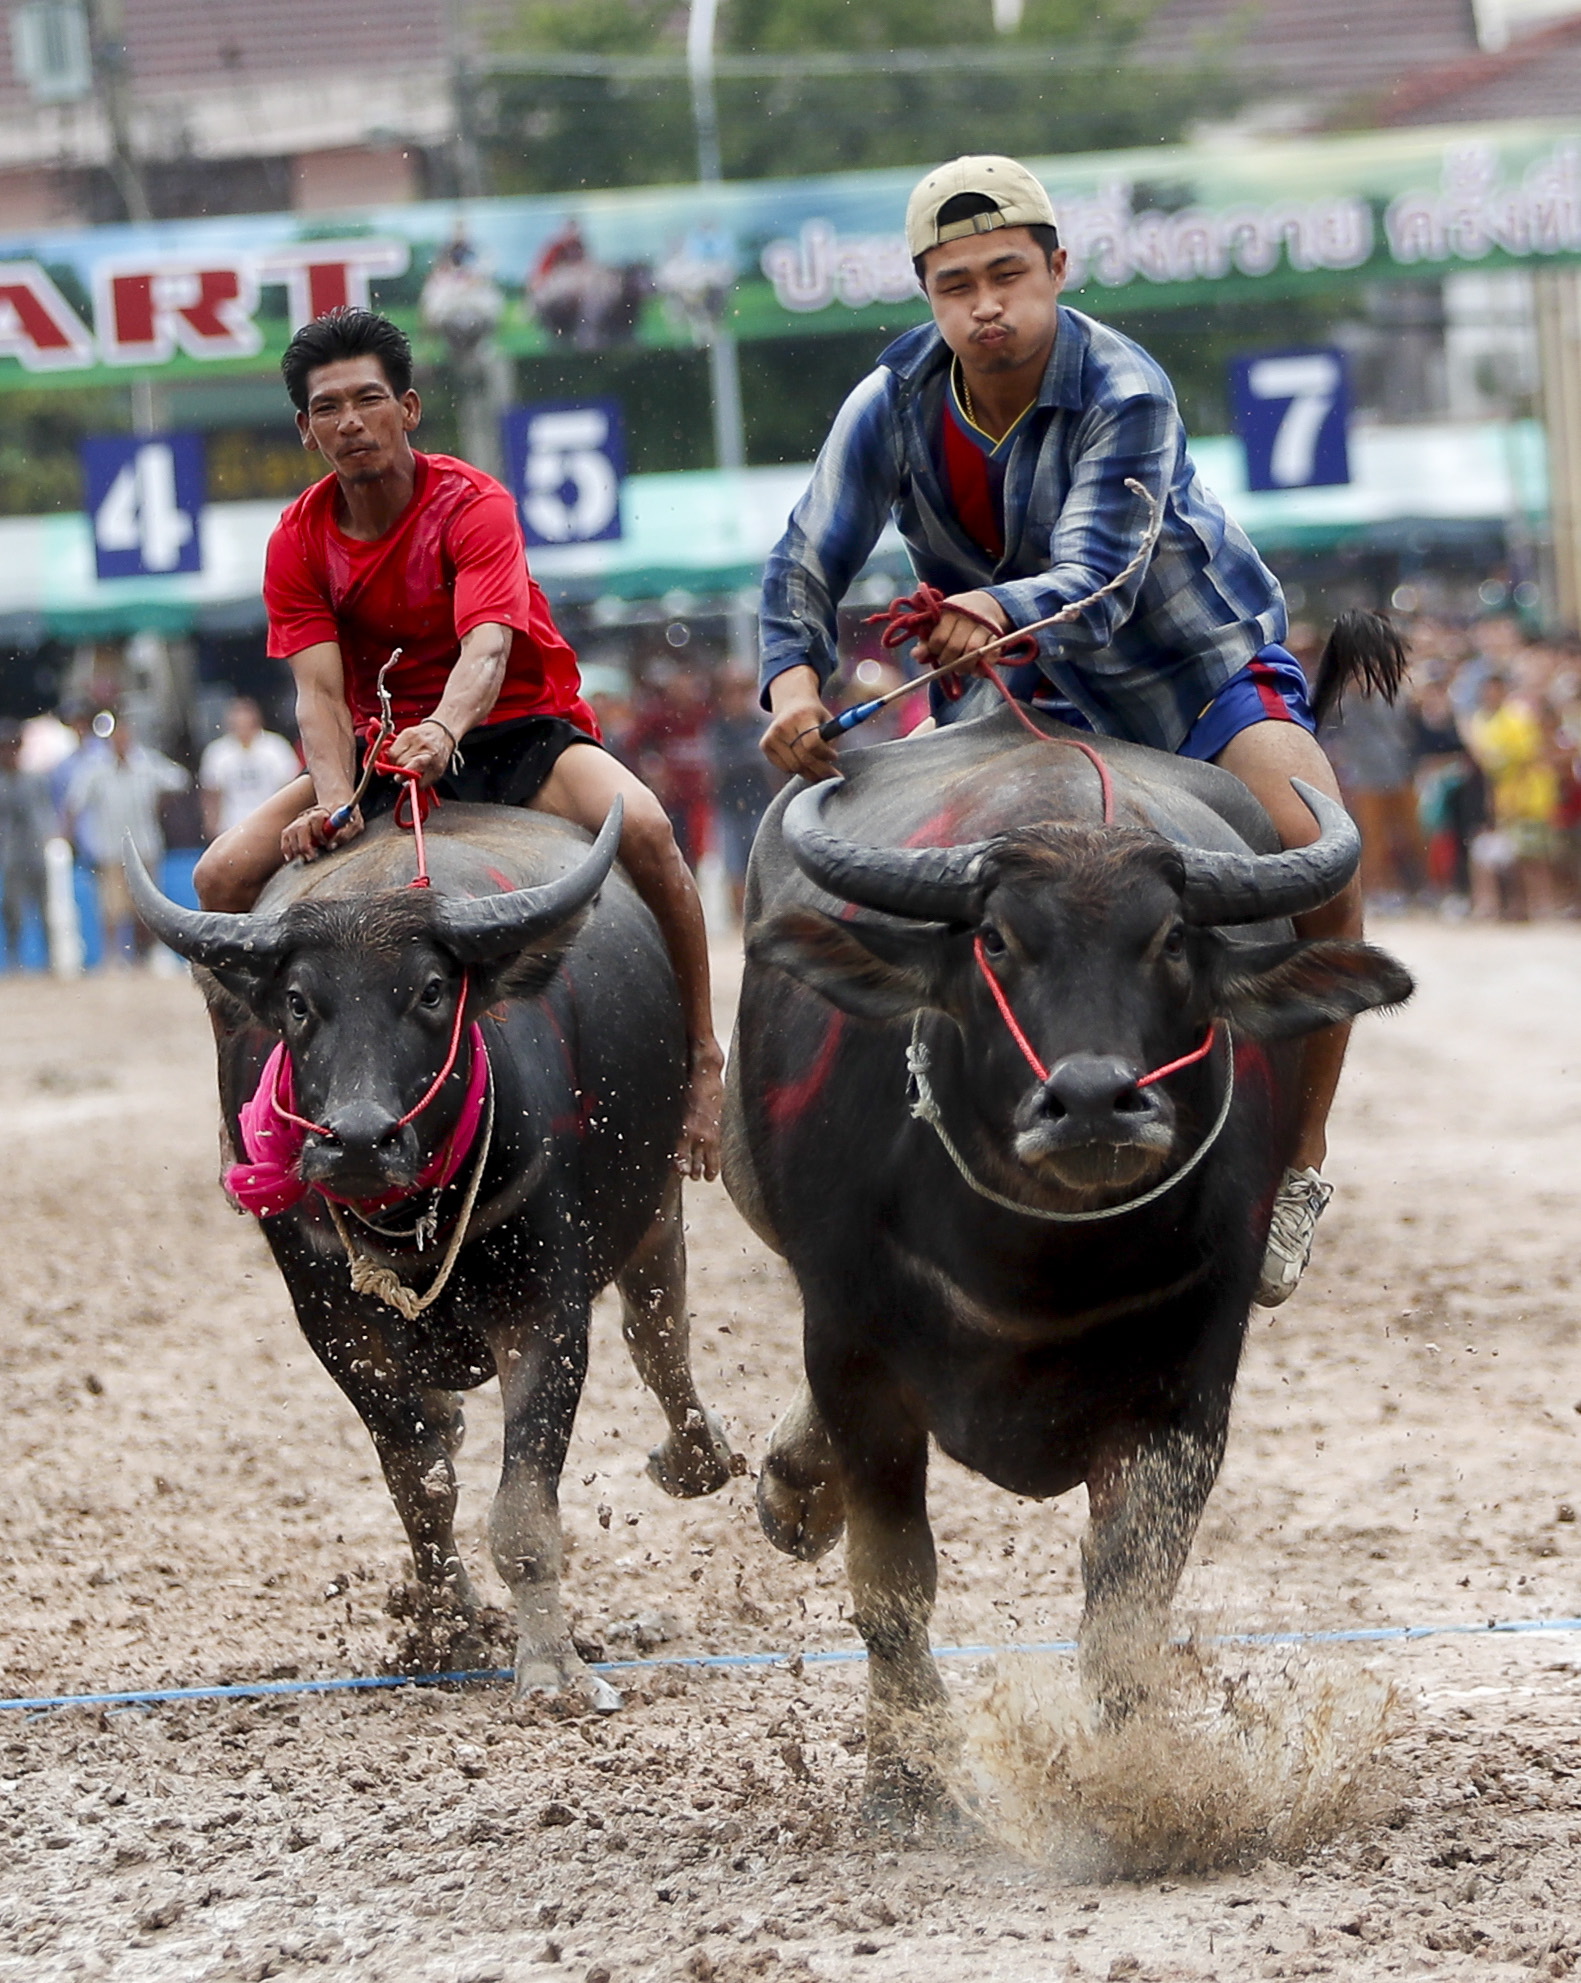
[967, 1265]
[570, 1183]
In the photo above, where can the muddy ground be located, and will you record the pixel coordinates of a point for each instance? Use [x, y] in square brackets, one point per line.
[184, 1498]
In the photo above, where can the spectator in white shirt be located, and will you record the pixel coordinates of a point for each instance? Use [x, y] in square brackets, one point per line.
[243, 768]
[114, 795]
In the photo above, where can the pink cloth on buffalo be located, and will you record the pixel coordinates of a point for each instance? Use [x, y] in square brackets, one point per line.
[268, 1183]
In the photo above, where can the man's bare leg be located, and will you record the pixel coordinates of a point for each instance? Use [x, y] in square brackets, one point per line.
[1266, 757]
[234, 868]
[582, 788]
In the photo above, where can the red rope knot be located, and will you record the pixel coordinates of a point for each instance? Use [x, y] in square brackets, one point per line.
[417, 802]
[915, 615]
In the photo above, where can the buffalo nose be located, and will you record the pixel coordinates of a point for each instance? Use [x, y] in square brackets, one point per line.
[362, 1128]
[1093, 1091]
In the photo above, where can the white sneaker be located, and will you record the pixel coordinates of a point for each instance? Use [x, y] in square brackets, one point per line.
[1298, 1205]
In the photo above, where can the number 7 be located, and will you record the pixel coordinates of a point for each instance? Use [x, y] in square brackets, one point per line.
[1310, 383]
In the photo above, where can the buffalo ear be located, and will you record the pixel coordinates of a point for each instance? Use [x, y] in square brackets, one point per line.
[868, 969]
[240, 998]
[1278, 991]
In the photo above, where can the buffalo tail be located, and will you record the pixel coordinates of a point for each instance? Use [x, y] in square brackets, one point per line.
[1364, 651]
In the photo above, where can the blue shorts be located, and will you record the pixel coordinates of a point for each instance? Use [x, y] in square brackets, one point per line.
[1271, 688]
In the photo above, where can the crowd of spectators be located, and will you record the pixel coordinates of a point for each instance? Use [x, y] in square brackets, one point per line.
[691, 733]
[84, 778]
[1468, 790]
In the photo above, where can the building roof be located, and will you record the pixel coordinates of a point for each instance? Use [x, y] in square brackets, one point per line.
[1537, 76]
[1319, 52]
[215, 78]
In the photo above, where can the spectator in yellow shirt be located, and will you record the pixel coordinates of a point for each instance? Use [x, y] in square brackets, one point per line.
[1513, 861]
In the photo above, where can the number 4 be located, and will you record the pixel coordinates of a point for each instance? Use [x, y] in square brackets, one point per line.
[1311, 384]
[140, 512]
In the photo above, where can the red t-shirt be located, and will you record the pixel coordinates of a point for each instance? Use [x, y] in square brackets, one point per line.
[452, 561]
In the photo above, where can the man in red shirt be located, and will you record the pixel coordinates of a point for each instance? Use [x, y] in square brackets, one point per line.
[425, 553]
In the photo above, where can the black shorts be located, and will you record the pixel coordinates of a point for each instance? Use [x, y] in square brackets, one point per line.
[503, 764]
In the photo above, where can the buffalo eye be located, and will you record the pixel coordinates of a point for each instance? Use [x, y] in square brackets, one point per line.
[432, 994]
[993, 943]
[296, 1005]
[1175, 942]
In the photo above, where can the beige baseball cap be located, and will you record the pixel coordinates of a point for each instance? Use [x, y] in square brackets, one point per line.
[1017, 193]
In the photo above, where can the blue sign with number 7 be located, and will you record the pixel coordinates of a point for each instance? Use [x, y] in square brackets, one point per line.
[1292, 413]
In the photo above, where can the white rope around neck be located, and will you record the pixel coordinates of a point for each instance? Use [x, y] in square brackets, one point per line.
[925, 1108]
[369, 1277]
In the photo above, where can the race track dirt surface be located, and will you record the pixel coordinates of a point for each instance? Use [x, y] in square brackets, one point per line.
[185, 1499]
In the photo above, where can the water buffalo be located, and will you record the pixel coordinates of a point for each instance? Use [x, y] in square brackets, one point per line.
[568, 1180]
[1023, 1187]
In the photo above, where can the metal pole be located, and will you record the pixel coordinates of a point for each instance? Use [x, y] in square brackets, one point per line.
[468, 165]
[1558, 294]
[107, 58]
[107, 53]
[724, 370]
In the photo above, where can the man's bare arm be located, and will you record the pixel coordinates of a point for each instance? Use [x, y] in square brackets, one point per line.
[470, 694]
[329, 746]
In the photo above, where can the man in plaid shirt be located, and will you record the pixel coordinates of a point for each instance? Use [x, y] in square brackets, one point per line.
[999, 439]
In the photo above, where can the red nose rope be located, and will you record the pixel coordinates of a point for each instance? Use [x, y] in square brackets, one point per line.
[439, 1080]
[1030, 1057]
[270, 1182]
[913, 617]
[418, 805]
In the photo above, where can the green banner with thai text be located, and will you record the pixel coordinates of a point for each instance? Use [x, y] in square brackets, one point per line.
[664, 266]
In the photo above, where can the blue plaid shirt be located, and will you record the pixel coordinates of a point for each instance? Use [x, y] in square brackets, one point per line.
[1141, 664]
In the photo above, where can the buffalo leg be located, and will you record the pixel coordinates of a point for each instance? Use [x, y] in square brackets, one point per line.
[800, 1503]
[1145, 1496]
[415, 1434]
[892, 1573]
[695, 1459]
[541, 1365]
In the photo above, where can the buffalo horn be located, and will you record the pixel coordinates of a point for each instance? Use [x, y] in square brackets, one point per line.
[493, 926]
[932, 884]
[207, 937]
[1254, 888]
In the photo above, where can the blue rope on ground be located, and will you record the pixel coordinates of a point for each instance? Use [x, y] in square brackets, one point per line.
[247, 1690]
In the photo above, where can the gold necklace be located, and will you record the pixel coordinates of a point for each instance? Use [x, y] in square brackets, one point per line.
[971, 411]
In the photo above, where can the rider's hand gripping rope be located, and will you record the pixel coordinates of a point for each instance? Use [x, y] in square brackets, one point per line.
[382, 734]
[916, 614]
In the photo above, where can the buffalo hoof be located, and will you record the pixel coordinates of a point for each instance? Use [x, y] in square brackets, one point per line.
[568, 1680]
[446, 1634]
[695, 1461]
[805, 1519]
[912, 1801]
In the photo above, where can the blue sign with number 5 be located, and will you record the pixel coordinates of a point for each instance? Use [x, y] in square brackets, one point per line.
[145, 494]
[1292, 412]
[567, 461]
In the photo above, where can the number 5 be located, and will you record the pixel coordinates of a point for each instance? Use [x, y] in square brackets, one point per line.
[566, 449]
[1311, 384]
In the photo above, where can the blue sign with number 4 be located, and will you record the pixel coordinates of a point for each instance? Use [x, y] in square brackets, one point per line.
[145, 498]
[1292, 412]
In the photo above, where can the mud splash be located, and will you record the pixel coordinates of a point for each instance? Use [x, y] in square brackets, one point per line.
[1232, 1759]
